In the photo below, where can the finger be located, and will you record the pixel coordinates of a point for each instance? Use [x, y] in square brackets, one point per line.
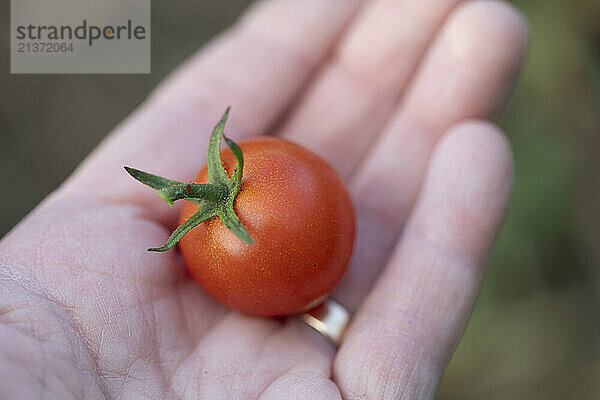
[257, 66]
[467, 74]
[353, 95]
[404, 333]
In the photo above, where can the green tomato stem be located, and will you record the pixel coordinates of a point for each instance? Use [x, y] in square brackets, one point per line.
[204, 212]
[216, 172]
[154, 181]
[184, 191]
[214, 198]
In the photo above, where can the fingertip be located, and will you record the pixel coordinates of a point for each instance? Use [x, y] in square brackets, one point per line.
[466, 191]
[483, 146]
[500, 24]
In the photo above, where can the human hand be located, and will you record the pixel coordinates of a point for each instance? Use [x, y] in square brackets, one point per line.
[394, 94]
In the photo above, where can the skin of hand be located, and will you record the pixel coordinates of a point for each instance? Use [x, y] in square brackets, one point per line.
[396, 95]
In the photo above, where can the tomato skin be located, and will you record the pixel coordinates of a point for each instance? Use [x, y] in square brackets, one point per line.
[301, 218]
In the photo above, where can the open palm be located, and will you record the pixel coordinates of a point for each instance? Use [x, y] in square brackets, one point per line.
[394, 94]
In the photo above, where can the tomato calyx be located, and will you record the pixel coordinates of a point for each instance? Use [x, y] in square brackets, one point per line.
[214, 198]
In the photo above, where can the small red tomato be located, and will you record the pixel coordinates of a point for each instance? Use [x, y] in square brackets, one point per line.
[267, 228]
[299, 213]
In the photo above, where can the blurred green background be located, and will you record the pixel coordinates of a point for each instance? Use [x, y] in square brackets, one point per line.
[535, 332]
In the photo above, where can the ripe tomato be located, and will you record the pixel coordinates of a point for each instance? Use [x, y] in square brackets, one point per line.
[301, 218]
